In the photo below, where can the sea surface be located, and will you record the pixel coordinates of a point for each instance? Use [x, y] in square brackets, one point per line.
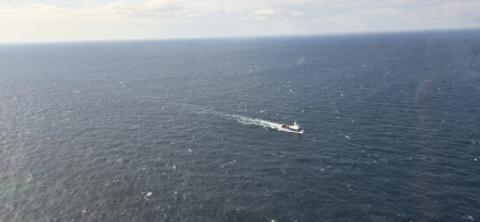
[187, 130]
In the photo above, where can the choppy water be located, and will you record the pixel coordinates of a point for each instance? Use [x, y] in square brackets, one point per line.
[187, 130]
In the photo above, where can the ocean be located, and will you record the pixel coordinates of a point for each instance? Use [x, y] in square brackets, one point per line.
[187, 130]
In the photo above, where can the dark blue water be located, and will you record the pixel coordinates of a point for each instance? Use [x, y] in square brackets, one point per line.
[186, 130]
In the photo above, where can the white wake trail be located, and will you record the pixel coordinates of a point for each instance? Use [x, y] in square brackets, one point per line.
[243, 120]
[258, 122]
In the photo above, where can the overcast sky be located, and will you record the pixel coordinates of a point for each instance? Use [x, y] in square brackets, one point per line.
[74, 20]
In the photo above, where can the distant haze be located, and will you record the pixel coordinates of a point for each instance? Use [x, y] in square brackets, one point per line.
[65, 20]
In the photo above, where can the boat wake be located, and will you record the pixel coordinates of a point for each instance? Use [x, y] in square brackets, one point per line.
[246, 120]
[258, 122]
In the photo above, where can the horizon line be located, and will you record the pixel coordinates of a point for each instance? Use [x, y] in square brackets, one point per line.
[247, 36]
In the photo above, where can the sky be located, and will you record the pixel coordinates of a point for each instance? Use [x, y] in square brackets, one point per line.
[87, 20]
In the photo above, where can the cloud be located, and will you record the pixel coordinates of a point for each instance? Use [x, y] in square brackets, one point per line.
[296, 13]
[114, 19]
[263, 12]
[144, 5]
